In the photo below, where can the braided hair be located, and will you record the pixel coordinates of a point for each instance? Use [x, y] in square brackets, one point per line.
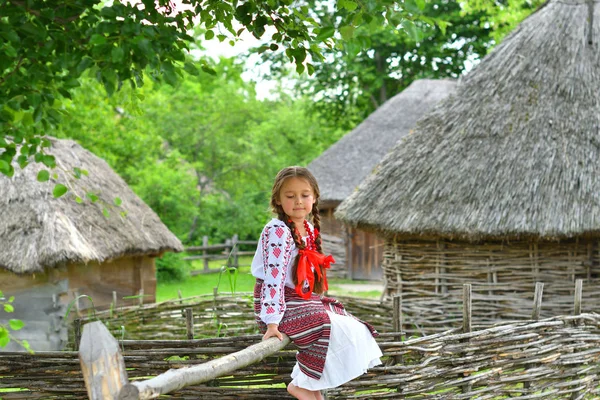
[303, 173]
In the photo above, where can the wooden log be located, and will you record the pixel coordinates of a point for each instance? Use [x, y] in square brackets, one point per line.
[102, 364]
[175, 379]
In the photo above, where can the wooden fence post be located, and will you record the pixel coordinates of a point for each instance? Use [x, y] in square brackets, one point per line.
[77, 332]
[102, 364]
[535, 315]
[537, 300]
[228, 251]
[189, 323]
[234, 249]
[467, 325]
[205, 253]
[141, 297]
[397, 321]
[578, 296]
[467, 308]
[114, 294]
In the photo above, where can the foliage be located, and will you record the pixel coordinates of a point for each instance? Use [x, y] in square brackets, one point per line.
[171, 268]
[13, 325]
[502, 16]
[358, 76]
[48, 45]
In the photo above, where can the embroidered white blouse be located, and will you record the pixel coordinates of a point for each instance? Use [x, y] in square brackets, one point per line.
[272, 262]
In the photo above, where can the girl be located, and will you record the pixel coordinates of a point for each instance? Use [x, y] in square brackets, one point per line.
[289, 266]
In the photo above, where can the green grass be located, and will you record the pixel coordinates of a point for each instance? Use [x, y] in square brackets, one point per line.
[243, 281]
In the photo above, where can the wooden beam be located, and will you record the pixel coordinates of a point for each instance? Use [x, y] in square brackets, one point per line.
[175, 379]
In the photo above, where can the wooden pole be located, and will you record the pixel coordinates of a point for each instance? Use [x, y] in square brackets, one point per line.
[205, 253]
[189, 323]
[114, 294]
[102, 364]
[467, 325]
[467, 308]
[234, 243]
[77, 331]
[175, 379]
[141, 297]
[397, 309]
[228, 251]
[578, 296]
[537, 301]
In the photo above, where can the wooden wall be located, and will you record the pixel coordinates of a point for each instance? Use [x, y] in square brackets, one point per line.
[41, 299]
[358, 254]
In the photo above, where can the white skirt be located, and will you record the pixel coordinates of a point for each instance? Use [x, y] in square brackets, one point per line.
[352, 350]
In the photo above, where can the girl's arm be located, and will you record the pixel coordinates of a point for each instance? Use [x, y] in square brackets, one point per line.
[277, 244]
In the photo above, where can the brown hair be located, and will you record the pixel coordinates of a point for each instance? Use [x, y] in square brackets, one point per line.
[302, 173]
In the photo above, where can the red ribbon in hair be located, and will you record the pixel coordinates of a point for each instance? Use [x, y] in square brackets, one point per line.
[308, 259]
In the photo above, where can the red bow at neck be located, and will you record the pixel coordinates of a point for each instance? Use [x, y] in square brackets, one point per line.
[307, 260]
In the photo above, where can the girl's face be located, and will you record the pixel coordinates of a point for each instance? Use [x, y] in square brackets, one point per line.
[296, 197]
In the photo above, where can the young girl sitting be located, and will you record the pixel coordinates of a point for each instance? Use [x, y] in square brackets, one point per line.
[289, 266]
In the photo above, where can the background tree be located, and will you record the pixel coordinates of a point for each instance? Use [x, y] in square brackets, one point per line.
[48, 44]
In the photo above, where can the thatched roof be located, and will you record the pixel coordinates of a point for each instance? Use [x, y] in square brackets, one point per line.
[516, 150]
[341, 168]
[38, 231]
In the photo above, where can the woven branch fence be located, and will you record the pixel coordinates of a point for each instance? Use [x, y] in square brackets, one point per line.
[207, 316]
[553, 358]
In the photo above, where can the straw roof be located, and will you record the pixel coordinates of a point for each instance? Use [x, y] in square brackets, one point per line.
[514, 153]
[38, 231]
[341, 168]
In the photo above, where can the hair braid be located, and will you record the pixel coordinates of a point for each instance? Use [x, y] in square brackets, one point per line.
[317, 224]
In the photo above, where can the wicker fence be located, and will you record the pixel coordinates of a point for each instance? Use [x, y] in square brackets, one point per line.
[552, 358]
[207, 316]
[556, 358]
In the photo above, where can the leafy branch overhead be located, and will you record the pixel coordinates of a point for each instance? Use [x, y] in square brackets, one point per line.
[48, 44]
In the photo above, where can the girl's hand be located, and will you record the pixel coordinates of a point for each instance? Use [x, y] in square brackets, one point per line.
[272, 331]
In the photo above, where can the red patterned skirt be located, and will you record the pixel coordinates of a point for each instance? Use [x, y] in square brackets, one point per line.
[307, 324]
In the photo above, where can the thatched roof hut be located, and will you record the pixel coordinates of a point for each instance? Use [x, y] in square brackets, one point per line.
[343, 166]
[510, 161]
[53, 249]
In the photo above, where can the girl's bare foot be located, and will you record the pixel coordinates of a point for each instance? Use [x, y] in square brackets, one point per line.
[303, 394]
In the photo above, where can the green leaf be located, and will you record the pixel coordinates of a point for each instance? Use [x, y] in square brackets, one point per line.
[209, 35]
[16, 324]
[78, 200]
[43, 175]
[310, 68]
[59, 190]
[347, 32]
[118, 201]
[9, 308]
[325, 33]
[347, 4]
[4, 338]
[411, 29]
[97, 39]
[4, 167]
[93, 198]
[117, 54]
[105, 212]
[48, 160]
